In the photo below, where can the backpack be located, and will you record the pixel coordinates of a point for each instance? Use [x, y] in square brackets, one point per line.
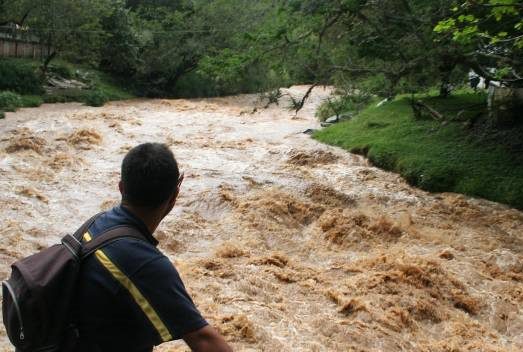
[37, 298]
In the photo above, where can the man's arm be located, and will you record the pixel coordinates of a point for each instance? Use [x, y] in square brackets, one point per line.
[206, 339]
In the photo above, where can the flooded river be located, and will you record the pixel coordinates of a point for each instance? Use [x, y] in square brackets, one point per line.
[284, 243]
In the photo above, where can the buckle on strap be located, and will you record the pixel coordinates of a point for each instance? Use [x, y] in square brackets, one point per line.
[73, 245]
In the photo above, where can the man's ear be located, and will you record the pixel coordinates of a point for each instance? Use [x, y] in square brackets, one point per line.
[170, 203]
[120, 187]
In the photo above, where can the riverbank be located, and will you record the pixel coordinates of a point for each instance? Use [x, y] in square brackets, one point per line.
[452, 155]
[23, 84]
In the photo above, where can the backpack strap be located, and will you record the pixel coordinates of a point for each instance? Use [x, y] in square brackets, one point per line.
[109, 236]
[83, 229]
[74, 242]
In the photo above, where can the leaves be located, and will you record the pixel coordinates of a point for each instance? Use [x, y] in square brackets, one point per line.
[491, 32]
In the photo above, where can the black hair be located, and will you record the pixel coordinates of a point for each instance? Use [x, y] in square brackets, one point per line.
[149, 175]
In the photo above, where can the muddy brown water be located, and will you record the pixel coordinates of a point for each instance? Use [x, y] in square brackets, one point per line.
[285, 244]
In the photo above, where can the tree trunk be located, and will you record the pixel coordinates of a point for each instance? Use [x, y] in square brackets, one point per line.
[50, 56]
[505, 105]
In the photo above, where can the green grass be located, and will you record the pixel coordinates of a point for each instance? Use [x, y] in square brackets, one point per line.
[434, 156]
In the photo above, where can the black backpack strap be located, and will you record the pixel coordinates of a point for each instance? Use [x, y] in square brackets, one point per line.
[74, 242]
[111, 235]
[83, 229]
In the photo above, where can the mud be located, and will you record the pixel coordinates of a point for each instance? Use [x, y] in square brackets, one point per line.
[285, 244]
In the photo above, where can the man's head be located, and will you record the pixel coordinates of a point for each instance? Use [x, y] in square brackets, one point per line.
[150, 178]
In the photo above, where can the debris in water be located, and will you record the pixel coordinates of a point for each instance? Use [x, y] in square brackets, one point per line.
[446, 254]
[346, 227]
[311, 158]
[63, 160]
[84, 138]
[237, 328]
[32, 193]
[25, 141]
[328, 196]
[352, 306]
[272, 206]
[276, 259]
[229, 250]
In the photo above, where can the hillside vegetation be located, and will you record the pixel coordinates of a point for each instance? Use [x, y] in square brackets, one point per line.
[23, 84]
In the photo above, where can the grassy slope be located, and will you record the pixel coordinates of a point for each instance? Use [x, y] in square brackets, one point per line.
[432, 156]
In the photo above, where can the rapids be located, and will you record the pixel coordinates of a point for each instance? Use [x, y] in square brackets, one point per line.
[284, 243]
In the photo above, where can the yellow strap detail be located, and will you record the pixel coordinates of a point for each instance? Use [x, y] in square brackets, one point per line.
[133, 290]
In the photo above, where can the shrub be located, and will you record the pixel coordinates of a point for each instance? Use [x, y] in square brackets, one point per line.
[32, 101]
[2, 115]
[62, 69]
[96, 98]
[19, 76]
[353, 102]
[55, 98]
[65, 95]
[10, 101]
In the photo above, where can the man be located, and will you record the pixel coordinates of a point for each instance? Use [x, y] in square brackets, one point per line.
[130, 296]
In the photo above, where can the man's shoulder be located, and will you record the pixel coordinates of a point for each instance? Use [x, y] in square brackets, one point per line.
[132, 254]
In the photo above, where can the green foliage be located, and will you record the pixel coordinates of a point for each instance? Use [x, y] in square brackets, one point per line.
[489, 37]
[70, 30]
[96, 98]
[120, 52]
[350, 102]
[433, 156]
[20, 76]
[10, 101]
[65, 96]
[62, 69]
[32, 101]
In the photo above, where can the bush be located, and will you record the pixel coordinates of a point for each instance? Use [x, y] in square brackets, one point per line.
[32, 101]
[19, 76]
[65, 95]
[10, 101]
[2, 115]
[96, 98]
[342, 104]
[62, 69]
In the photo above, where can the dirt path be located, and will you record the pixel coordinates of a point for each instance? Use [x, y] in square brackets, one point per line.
[284, 243]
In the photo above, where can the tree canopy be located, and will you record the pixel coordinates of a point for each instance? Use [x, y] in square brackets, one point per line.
[209, 47]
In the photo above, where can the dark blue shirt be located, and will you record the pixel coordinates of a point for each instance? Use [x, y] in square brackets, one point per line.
[130, 295]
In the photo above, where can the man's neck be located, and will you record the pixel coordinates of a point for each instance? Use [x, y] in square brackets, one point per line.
[148, 217]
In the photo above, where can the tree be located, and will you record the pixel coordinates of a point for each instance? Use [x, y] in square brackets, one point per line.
[65, 27]
[191, 40]
[384, 46]
[120, 50]
[489, 35]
